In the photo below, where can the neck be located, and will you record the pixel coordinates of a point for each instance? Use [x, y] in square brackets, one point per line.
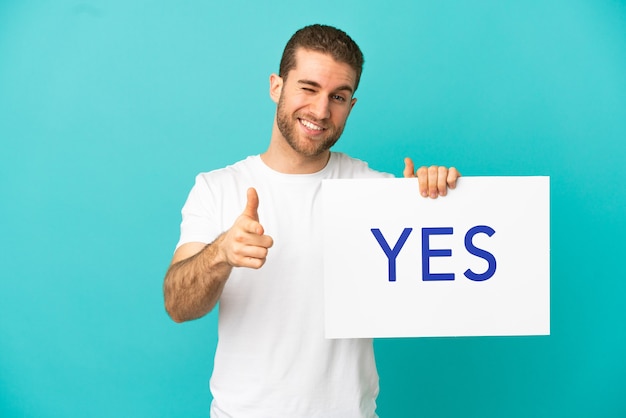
[281, 157]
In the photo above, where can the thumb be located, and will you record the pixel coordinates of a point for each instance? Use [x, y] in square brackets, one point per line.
[409, 168]
[252, 204]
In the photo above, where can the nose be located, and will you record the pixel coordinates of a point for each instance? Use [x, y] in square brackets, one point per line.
[320, 107]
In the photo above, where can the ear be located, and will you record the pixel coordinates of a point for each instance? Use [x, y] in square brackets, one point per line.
[352, 103]
[276, 87]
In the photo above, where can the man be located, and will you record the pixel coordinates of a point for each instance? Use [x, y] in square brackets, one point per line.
[251, 239]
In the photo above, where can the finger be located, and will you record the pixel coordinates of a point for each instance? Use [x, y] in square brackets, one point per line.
[253, 263]
[252, 204]
[250, 251]
[442, 183]
[409, 168]
[422, 178]
[248, 260]
[262, 241]
[253, 227]
[453, 175]
[253, 254]
[249, 232]
[433, 171]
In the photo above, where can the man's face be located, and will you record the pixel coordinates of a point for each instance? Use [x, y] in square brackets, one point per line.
[314, 103]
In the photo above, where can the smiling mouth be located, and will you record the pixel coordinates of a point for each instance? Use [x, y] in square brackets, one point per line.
[310, 125]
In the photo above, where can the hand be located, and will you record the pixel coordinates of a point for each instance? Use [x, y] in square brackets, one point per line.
[434, 180]
[244, 244]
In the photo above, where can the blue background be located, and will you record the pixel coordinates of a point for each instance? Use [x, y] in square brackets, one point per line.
[109, 109]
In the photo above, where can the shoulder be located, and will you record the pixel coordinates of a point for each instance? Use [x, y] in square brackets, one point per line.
[240, 170]
[223, 190]
[227, 183]
[345, 166]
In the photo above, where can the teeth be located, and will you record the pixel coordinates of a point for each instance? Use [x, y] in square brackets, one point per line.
[311, 125]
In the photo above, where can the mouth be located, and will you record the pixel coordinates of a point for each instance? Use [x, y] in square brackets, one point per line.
[310, 126]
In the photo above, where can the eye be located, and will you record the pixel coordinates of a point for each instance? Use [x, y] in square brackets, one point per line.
[338, 98]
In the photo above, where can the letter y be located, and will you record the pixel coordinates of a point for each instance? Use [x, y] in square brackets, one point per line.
[391, 254]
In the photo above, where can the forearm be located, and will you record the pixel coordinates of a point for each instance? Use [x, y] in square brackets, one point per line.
[193, 286]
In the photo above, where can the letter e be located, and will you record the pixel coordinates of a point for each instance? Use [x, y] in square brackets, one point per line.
[427, 253]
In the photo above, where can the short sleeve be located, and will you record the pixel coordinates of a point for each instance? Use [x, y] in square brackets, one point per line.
[199, 220]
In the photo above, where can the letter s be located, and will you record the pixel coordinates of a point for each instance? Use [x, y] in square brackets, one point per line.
[478, 252]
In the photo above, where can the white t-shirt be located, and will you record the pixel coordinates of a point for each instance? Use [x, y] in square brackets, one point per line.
[272, 359]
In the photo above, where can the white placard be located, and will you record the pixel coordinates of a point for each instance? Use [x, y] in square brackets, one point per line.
[473, 263]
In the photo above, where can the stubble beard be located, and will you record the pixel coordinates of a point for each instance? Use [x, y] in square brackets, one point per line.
[287, 125]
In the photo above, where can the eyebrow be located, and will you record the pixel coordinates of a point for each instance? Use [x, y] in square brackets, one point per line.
[311, 83]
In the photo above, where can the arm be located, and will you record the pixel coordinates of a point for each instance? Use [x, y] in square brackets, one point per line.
[196, 277]
[434, 180]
